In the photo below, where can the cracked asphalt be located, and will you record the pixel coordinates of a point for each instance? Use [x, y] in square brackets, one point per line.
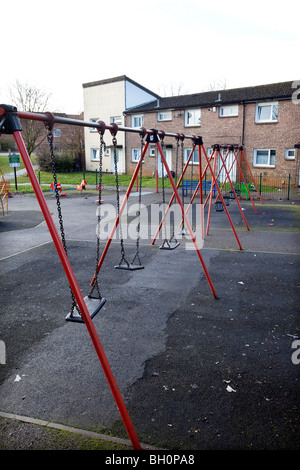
[196, 373]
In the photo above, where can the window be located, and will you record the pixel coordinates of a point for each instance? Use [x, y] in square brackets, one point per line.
[290, 154]
[192, 117]
[56, 132]
[227, 111]
[116, 119]
[164, 116]
[137, 120]
[93, 129]
[195, 157]
[266, 112]
[264, 157]
[135, 155]
[95, 154]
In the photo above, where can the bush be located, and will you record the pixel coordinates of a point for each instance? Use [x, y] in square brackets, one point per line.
[64, 161]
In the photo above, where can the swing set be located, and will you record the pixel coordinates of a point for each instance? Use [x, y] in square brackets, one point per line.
[83, 309]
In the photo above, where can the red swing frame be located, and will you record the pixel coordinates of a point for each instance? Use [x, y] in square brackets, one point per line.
[10, 124]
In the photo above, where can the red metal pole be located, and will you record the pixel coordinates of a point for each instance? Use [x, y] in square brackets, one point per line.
[244, 180]
[175, 190]
[211, 193]
[77, 293]
[232, 188]
[243, 154]
[221, 197]
[134, 176]
[173, 195]
[201, 193]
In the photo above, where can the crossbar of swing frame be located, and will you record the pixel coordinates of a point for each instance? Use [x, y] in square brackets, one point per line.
[52, 119]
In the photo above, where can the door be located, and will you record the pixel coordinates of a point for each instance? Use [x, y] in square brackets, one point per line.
[229, 160]
[168, 157]
[119, 161]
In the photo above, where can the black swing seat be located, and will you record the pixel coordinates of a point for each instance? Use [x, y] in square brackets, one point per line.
[93, 305]
[169, 245]
[129, 267]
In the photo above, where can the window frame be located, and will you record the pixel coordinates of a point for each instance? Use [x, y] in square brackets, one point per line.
[227, 107]
[57, 132]
[93, 129]
[136, 151]
[187, 151]
[137, 116]
[116, 119]
[97, 152]
[192, 111]
[168, 115]
[265, 105]
[287, 150]
[264, 165]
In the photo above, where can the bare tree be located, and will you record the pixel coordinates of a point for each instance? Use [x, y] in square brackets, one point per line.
[29, 98]
[217, 85]
[173, 89]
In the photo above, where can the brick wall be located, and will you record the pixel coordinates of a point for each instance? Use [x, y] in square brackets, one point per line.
[279, 135]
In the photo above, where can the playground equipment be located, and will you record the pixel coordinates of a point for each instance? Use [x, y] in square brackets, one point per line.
[10, 124]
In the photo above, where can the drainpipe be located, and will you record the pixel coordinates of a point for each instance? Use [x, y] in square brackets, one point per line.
[243, 130]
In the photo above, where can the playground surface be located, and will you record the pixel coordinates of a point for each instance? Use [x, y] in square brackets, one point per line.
[196, 373]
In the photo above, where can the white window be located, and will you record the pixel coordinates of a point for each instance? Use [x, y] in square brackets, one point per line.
[266, 112]
[116, 119]
[56, 132]
[137, 120]
[164, 116]
[93, 129]
[135, 155]
[227, 111]
[192, 117]
[195, 157]
[95, 154]
[264, 157]
[290, 154]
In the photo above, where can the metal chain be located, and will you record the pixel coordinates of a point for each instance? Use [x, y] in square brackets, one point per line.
[114, 141]
[98, 230]
[137, 255]
[60, 219]
[163, 192]
[174, 202]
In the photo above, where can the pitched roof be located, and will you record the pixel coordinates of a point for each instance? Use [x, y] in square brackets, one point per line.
[272, 91]
[120, 78]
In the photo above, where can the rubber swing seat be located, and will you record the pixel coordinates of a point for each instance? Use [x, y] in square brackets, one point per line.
[93, 306]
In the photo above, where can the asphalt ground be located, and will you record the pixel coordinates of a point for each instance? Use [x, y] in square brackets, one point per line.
[196, 373]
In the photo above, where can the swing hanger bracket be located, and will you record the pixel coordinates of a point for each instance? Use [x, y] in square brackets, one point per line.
[180, 137]
[114, 129]
[197, 139]
[50, 122]
[153, 138]
[9, 120]
[102, 128]
[143, 132]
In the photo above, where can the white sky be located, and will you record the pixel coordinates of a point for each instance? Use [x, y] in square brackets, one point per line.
[60, 44]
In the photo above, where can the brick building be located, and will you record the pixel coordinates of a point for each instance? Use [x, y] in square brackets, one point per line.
[264, 119]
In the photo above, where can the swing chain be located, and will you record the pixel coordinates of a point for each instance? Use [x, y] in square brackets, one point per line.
[114, 141]
[137, 256]
[61, 225]
[98, 234]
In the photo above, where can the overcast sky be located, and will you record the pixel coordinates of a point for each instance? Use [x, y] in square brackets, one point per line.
[162, 44]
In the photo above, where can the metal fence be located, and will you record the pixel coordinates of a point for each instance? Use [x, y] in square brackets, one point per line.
[273, 188]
